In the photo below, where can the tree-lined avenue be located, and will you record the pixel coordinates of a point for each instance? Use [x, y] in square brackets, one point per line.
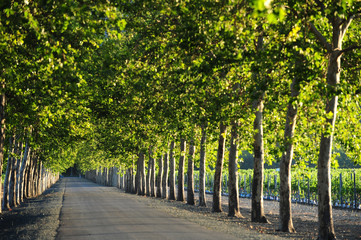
[91, 211]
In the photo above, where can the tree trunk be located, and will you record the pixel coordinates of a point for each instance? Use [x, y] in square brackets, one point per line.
[27, 176]
[233, 198]
[5, 203]
[2, 137]
[14, 178]
[127, 182]
[18, 173]
[190, 173]
[165, 177]
[24, 165]
[103, 175]
[45, 179]
[122, 180]
[109, 176]
[171, 172]
[40, 178]
[142, 173]
[202, 169]
[138, 180]
[180, 196]
[152, 175]
[33, 176]
[217, 186]
[326, 228]
[132, 180]
[149, 173]
[257, 187]
[257, 212]
[286, 224]
[160, 177]
[119, 185]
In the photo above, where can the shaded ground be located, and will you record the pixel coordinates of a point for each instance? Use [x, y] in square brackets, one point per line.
[36, 218]
[39, 218]
[347, 223]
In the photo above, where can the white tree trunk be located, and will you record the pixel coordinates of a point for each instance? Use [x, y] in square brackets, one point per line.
[180, 196]
[202, 169]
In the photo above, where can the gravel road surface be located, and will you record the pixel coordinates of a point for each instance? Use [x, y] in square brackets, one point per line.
[36, 218]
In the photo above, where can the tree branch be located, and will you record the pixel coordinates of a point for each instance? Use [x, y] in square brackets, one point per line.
[350, 49]
[320, 37]
[352, 16]
[345, 26]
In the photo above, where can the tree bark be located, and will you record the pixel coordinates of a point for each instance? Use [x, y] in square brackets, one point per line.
[138, 178]
[165, 177]
[40, 178]
[132, 179]
[27, 175]
[152, 174]
[14, 178]
[127, 182]
[119, 177]
[122, 180]
[33, 176]
[286, 224]
[217, 186]
[103, 175]
[202, 169]
[5, 203]
[142, 173]
[18, 174]
[190, 175]
[2, 137]
[171, 172]
[326, 228]
[24, 165]
[233, 198]
[149, 173]
[160, 177]
[180, 196]
[257, 213]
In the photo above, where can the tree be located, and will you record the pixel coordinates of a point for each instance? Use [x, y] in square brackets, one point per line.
[180, 196]
[160, 177]
[233, 198]
[339, 25]
[286, 224]
[171, 172]
[190, 173]
[217, 185]
[202, 168]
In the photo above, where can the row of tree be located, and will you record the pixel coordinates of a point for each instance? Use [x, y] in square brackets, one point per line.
[105, 83]
[41, 94]
[26, 176]
[185, 67]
